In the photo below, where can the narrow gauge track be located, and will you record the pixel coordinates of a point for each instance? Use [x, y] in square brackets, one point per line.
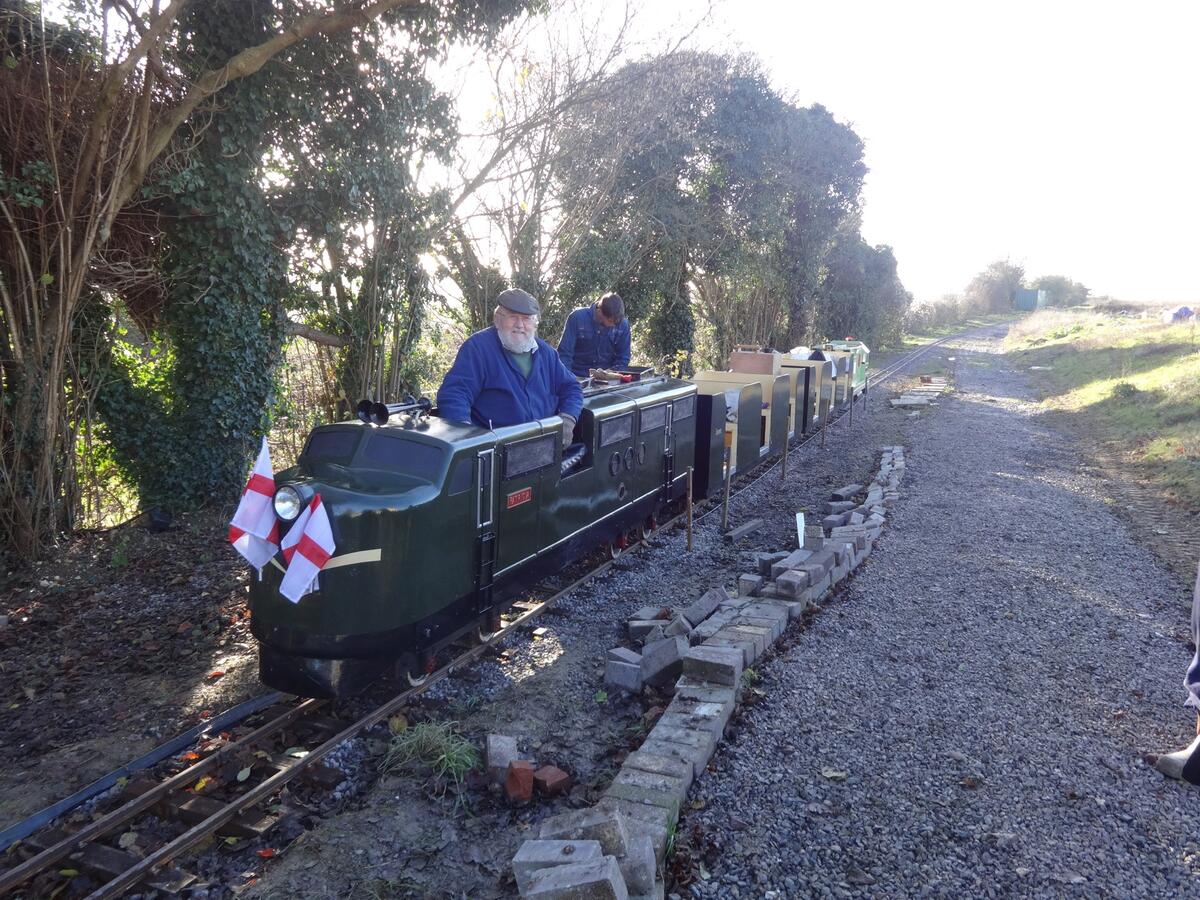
[57, 846]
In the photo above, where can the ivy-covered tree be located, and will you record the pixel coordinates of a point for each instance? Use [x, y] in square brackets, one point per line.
[109, 123]
[183, 435]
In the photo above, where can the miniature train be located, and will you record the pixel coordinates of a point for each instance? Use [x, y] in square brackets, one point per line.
[500, 509]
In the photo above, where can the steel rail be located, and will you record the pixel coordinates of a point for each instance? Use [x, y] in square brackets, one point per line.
[122, 814]
[44, 817]
[199, 832]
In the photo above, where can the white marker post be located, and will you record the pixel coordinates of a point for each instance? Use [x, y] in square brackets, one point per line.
[800, 529]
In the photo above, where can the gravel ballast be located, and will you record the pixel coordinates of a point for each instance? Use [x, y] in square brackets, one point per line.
[969, 716]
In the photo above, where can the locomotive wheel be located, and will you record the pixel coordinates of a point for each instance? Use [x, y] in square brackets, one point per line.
[617, 547]
[647, 528]
[425, 666]
[487, 629]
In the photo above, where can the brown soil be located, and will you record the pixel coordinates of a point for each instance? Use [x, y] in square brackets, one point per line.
[124, 639]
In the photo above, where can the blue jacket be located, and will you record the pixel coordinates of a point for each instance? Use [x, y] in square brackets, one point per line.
[485, 386]
[586, 344]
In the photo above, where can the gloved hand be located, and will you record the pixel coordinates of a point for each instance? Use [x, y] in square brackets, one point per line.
[568, 428]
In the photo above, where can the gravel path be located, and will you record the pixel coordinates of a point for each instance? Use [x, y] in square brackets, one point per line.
[968, 717]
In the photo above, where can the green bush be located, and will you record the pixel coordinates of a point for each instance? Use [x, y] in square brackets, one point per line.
[1124, 392]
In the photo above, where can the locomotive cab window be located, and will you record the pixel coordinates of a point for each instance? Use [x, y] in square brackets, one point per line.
[653, 417]
[685, 407]
[523, 457]
[460, 479]
[618, 428]
[332, 446]
[422, 461]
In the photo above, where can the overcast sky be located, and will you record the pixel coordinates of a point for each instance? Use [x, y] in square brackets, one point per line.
[1062, 135]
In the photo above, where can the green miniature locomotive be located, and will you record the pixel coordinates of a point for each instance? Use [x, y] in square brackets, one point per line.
[440, 526]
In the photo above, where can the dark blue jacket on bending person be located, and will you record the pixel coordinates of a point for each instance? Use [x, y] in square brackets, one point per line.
[485, 386]
[586, 344]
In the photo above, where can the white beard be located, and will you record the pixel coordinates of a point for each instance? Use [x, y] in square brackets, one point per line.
[514, 343]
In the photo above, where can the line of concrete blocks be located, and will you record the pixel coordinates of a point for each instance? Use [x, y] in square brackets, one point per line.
[805, 576]
[618, 846]
[891, 473]
[855, 518]
[856, 505]
[665, 638]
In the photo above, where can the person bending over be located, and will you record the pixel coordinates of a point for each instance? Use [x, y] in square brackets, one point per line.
[1185, 764]
[596, 337]
[506, 374]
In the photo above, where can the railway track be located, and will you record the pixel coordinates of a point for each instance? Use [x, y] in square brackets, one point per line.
[260, 773]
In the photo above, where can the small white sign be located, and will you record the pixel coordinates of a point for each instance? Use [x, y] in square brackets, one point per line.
[800, 529]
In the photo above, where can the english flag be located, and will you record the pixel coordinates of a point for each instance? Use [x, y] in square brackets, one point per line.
[307, 547]
[254, 531]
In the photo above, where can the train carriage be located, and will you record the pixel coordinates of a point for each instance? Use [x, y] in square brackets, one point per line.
[743, 431]
[858, 357]
[823, 381]
[806, 415]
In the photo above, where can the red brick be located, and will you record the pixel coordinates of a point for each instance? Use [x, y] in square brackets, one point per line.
[518, 782]
[551, 781]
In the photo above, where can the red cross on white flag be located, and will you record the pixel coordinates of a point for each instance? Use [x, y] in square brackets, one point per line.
[307, 546]
[254, 530]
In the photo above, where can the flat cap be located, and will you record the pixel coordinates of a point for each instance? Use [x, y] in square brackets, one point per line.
[519, 301]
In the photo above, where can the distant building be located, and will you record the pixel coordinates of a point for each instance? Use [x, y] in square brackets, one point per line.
[1029, 299]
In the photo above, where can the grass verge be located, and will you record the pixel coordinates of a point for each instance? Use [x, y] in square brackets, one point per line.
[1131, 382]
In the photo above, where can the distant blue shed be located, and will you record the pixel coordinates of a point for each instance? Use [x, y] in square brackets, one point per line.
[1029, 299]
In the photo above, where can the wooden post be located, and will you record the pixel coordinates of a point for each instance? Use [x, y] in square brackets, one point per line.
[725, 498]
[689, 509]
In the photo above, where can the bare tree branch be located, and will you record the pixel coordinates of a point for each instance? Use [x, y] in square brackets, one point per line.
[316, 335]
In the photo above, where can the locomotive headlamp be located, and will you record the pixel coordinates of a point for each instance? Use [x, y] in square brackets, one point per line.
[288, 503]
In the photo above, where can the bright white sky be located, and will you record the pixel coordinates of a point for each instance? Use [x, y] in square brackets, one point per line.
[1060, 134]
